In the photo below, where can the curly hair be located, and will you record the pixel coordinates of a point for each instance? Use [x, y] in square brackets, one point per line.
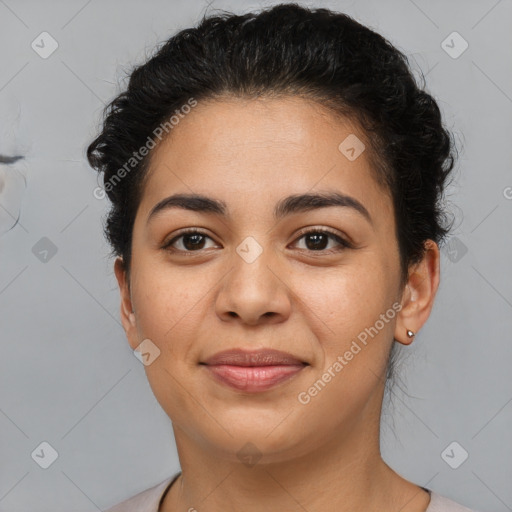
[287, 49]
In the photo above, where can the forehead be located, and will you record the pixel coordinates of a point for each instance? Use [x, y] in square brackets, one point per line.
[250, 152]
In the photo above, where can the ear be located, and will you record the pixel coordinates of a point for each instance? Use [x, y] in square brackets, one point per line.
[127, 312]
[419, 293]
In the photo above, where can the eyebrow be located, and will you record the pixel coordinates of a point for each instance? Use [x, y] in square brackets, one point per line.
[290, 205]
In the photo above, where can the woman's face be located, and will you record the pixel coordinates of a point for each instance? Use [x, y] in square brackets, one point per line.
[251, 280]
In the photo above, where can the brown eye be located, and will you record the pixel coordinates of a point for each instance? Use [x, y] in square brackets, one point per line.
[188, 241]
[193, 241]
[318, 240]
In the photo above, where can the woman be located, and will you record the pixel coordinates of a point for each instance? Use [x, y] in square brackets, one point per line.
[276, 182]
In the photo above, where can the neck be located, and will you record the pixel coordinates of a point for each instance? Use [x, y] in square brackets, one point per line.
[343, 474]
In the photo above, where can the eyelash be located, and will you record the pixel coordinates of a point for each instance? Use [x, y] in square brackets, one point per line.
[332, 235]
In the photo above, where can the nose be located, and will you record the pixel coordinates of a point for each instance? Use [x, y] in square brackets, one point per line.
[254, 292]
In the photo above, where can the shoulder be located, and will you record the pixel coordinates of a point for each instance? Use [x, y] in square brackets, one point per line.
[440, 503]
[145, 501]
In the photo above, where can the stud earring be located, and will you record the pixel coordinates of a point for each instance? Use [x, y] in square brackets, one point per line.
[410, 334]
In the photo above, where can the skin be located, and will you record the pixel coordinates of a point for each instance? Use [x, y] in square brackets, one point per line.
[309, 302]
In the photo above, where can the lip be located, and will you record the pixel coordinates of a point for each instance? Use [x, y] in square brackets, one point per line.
[253, 371]
[263, 357]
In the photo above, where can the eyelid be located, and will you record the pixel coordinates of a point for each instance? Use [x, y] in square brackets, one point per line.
[185, 231]
[341, 243]
[340, 239]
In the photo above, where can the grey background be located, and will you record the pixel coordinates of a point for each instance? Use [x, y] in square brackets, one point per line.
[67, 375]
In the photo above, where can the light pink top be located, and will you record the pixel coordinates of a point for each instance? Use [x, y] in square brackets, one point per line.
[149, 501]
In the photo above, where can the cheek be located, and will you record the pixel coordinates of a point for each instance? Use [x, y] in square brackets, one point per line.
[170, 306]
[343, 310]
[169, 314]
[341, 303]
